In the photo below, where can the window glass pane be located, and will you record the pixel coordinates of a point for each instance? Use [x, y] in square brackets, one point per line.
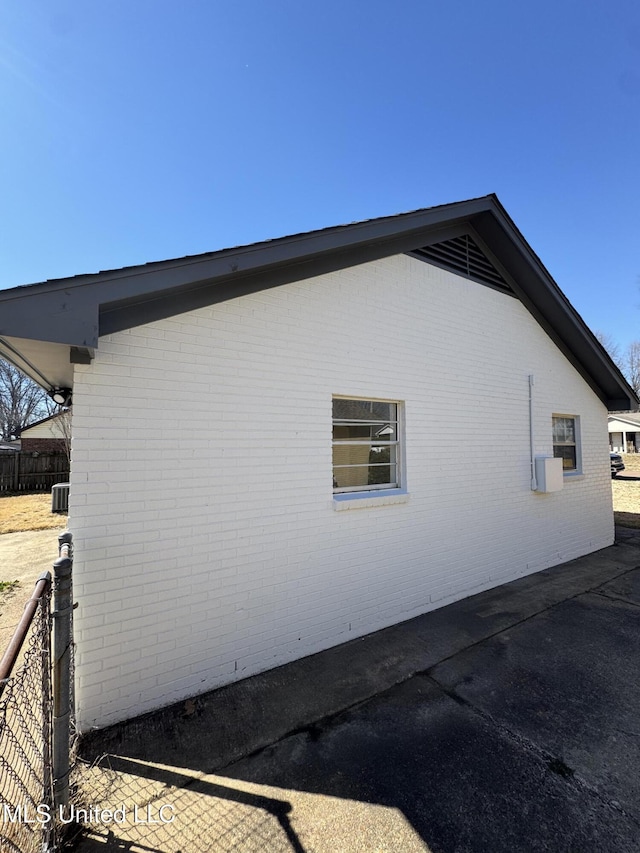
[345, 478]
[564, 429]
[382, 453]
[381, 474]
[364, 475]
[568, 455]
[359, 431]
[363, 454]
[351, 454]
[365, 437]
[363, 410]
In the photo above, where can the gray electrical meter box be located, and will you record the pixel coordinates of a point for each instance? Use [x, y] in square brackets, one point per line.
[549, 477]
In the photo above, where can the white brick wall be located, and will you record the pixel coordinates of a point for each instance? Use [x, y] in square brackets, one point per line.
[207, 546]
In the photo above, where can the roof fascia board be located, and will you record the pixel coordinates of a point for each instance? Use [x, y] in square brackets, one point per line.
[125, 314]
[77, 311]
[545, 301]
[624, 420]
[63, 316]
[81, 355]
[620, 402]
[69, 310]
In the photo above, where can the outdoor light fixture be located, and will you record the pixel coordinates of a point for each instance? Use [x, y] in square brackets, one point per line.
[61, 396]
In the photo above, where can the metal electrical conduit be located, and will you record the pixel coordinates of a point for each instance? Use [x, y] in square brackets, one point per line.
[534, 482]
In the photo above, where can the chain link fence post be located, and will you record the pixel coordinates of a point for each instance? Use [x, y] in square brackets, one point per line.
[48, 829]
[62, 640]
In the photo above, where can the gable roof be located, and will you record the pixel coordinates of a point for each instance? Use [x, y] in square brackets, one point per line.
[45, 328]
[631, 418]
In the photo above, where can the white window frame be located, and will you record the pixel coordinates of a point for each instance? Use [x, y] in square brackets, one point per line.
[375, 490]
[577, 444]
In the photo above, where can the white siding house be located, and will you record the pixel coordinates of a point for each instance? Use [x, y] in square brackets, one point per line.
[624, 432]
[47, 428]
[267, 475]
[48, 435]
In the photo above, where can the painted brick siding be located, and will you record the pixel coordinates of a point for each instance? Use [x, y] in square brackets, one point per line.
[207, 545]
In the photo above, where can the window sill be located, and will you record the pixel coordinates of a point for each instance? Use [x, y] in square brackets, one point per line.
[362, 500]
[573, 475]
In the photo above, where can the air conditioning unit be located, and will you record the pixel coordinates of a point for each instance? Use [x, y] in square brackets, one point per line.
[60, 498]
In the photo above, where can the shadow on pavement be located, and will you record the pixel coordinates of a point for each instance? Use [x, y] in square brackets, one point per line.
[160, 810]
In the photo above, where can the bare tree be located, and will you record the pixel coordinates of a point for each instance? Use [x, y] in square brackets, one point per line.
[628, 360]
[612, 347]
[632, 365]
[65, 427]
[21, 401]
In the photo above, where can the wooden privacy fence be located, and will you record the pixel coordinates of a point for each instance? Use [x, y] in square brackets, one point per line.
[32, 472]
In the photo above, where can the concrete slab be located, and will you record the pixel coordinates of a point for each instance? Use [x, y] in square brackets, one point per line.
[625, 587]
[212, 813]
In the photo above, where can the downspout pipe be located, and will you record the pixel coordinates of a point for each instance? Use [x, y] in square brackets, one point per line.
[534, 482]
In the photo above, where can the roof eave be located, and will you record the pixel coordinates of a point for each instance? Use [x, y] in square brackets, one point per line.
[77, 311]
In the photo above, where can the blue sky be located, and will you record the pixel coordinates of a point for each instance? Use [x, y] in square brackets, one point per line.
[139, 131]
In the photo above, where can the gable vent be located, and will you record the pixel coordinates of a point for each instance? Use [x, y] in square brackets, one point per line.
[462, 255]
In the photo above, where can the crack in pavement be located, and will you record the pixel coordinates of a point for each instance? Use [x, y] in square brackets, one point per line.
[554, 764]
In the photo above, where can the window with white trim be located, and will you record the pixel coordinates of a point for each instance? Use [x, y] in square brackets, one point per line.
[366, 445]
[566, 441]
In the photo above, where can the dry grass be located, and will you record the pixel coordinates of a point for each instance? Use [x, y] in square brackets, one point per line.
[626, 493]
[631, 462]
[28, 512]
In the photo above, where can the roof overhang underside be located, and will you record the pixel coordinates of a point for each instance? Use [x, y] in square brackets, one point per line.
[46, 328]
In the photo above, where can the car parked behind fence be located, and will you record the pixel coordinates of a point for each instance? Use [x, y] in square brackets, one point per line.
[617, 464]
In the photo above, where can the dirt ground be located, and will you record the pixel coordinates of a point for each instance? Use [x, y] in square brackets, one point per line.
[23, 557]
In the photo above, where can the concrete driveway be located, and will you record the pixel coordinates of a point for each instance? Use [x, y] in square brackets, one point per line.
[506, 722]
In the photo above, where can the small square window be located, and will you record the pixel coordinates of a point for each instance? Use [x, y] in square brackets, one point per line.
[566, 441]
[366, 445]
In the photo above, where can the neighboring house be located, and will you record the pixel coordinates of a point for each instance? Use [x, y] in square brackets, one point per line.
[46, 435]
[215, 536]
[9, 447]
[624, 432]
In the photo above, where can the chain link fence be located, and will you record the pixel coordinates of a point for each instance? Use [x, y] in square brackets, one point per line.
[36, 717]
[26, 706]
